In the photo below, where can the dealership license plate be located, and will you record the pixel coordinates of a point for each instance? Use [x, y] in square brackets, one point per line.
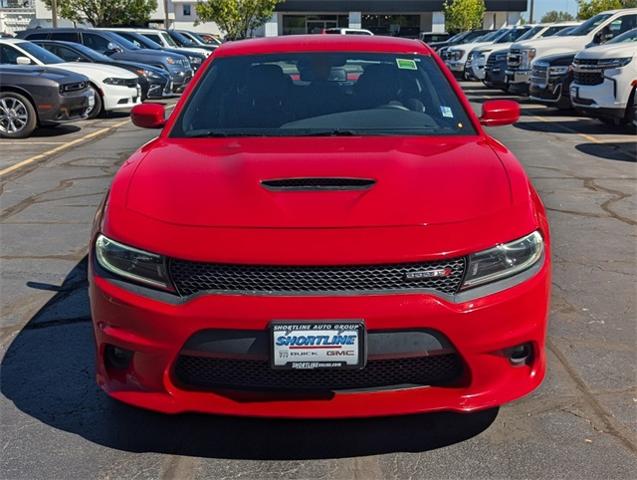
[309, 345]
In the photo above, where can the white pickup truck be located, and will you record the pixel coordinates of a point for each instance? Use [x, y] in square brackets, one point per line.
[603, 79]
[595, 31]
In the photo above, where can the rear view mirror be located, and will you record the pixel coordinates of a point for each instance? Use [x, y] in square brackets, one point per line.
[112, 48]
[499, 112]
[149, 115]
[23, 61]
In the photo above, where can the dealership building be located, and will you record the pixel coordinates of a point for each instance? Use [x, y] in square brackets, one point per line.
[383, 17]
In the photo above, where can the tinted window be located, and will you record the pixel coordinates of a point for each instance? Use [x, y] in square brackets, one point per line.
[40, 53]
[65, 53]
[36, 36]
[8, 55]
[323, 93]
[153, 38]
[621, 25]
[530, 33]
[95, 42]
[65, 36]
[552, 31]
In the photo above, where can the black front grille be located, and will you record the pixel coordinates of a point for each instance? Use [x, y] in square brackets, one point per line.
[514, 58]
[214, 373]
[588, 78]
[539, 74]
[193, 277]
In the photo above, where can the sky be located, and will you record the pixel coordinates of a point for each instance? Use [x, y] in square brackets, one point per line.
[543, 6]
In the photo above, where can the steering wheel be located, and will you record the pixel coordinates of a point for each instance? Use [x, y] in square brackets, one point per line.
[395, 106]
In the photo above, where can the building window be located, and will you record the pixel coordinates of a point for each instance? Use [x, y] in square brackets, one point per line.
[302, 24]
[186, 9]
[395, 25]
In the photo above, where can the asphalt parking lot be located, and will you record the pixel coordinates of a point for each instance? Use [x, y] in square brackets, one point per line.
[580, 424]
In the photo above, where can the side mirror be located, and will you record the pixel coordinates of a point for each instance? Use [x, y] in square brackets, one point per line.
[499, 112]
[149, 115]
[111, 48]
[23, 61]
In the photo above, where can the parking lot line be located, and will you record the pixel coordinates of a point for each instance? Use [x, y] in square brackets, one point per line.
[61, 148]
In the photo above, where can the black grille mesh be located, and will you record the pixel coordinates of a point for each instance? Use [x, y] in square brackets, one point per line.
[318, 183]
[193, 277]
[210, 373]
[588, 78]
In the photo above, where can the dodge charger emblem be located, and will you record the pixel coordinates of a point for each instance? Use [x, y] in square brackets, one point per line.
[423, 274]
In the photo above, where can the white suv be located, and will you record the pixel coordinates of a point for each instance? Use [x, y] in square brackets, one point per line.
[595, 31]
[603, 76]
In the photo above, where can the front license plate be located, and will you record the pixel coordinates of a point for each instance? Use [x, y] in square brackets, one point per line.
[310, 345]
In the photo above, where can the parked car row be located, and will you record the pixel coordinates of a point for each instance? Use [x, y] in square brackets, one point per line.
[588, 66]
[85, 72]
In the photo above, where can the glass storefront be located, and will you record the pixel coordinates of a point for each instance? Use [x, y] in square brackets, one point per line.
[302, 24]
[394, 25]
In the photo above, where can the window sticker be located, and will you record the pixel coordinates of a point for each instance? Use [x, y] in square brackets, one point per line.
[446, 111]
[406, 64]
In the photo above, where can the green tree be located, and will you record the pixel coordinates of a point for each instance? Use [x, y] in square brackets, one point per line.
[555, 16]
[590, 8]
[462, 15]
[236, 18]
[106, 13]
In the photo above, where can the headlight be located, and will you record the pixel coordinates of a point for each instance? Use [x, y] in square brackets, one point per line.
[456, 54]
[614, 62]
[132, 263]
[527, 57]
[151, 74]
[115, 81]
[195, 60]
[503, 260]
[558, 70]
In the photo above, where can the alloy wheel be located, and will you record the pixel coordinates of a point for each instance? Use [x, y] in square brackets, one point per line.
[14, 115]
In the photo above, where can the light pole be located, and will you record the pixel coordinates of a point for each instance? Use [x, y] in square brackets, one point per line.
[531, 12]
[166, 20]
[54, 13]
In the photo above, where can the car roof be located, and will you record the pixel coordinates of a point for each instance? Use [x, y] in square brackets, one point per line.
[323, 43]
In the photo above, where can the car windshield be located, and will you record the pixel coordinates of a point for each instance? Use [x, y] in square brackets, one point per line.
[168, 39]
[530, 33]
[88, 52]
[629, 36]
[566, 32]
[182, 39]
[123, 42]
[141, 41]
[323, 94]
[551, 31]
[511, 35]
[40, 53]
[490, 36]
[589, 25]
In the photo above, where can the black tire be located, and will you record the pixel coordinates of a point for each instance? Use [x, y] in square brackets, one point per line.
[18, 117]
[96, 111]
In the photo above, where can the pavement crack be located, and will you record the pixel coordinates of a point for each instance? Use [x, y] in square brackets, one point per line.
[610, 426]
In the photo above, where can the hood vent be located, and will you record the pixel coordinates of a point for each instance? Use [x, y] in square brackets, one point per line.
[318, 183]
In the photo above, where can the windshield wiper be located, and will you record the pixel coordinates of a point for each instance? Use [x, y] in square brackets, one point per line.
[335, 132]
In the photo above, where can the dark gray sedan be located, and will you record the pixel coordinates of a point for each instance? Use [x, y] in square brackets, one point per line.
[37, 96]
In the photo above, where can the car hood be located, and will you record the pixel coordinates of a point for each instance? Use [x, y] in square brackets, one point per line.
[553, 44]
[96, 70]
[613, 50]
[419, 181]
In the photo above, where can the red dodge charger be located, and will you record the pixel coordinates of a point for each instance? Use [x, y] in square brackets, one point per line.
[321, 229]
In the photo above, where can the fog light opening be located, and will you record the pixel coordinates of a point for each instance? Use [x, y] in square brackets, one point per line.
[520, 354]
[117, 358]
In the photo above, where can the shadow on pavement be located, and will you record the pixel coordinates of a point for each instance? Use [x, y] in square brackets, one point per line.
[583, 125]
[622, 151]
[47, 373]
[55, 131]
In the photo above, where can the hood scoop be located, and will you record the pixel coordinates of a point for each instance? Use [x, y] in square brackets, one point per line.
[318, 183]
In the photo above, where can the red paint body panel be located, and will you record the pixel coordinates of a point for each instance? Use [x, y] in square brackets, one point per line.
[435, 198]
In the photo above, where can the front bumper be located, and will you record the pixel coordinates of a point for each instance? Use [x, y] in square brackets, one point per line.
[68, 107]
[604, 99]
[495, 77]
[118, 97]
[456, 66]
[480, 330]
[518, 76]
